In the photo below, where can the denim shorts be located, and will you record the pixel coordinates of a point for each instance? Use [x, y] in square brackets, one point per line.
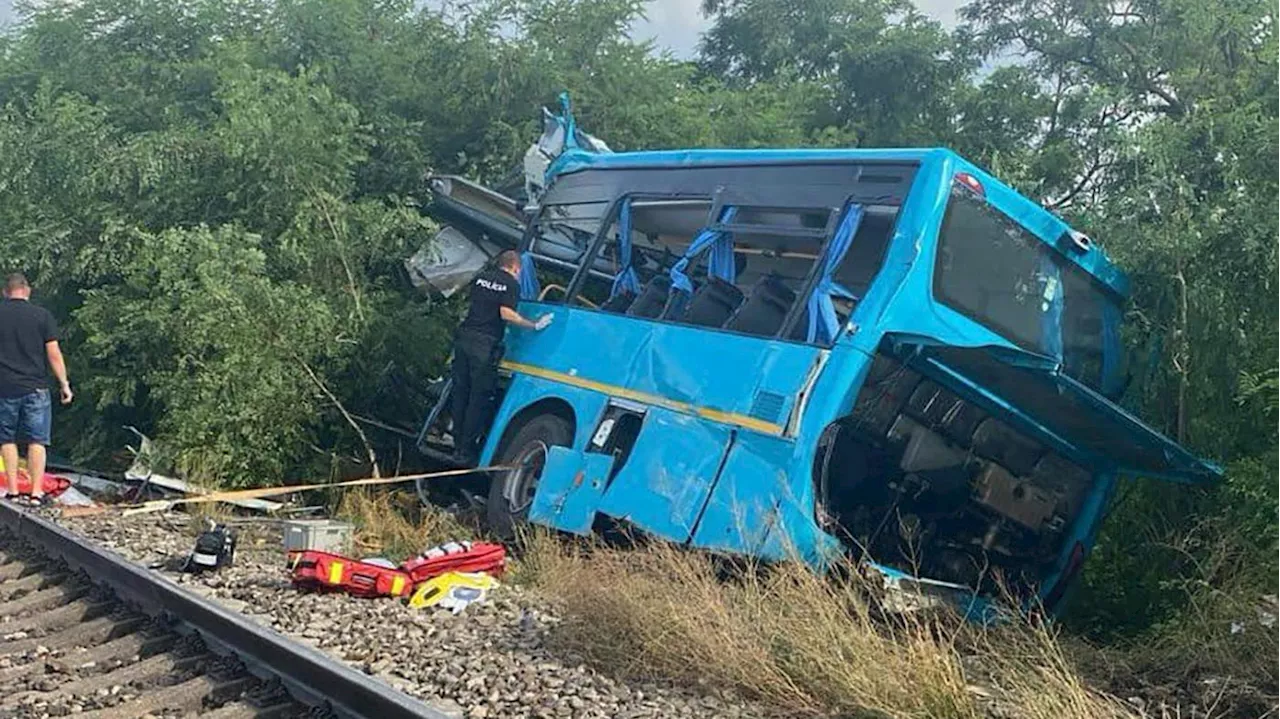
[27, 418]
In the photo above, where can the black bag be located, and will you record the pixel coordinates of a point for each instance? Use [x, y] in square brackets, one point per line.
[215, 548]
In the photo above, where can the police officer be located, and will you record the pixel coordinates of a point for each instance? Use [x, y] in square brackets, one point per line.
[477, 348]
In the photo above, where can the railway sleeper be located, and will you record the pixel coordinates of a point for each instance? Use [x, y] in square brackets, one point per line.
[11, 568]
[183, 698]
[85, 608]
[90, 633]
[120, 649]
[146, 670]
[52, 594]
[27, 583]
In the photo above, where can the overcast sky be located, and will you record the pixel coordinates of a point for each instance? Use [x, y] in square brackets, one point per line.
[673, 24]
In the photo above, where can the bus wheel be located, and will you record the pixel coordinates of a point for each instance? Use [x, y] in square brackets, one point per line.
[511, 492]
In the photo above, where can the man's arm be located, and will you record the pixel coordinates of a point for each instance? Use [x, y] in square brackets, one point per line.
[59, 367]
[510, 316]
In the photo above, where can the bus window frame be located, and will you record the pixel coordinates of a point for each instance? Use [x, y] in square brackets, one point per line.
[609, 218]
[526, 245]
[896, 194]
[1064, 263]
[574, 287]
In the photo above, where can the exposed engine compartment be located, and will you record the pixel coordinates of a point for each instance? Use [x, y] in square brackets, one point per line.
[921, 479]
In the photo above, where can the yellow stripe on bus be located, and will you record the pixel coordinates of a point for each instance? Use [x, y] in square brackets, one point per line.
[397, 585]
[715, 415]
[335, 573]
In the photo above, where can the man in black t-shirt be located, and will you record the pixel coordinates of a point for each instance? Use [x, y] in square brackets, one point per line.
[28, 351]
[477, 348]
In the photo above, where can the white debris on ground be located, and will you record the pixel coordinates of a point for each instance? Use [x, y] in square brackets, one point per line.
[1267, 609]
[492, 660]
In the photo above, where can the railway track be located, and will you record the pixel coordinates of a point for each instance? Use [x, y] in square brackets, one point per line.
[85, 632]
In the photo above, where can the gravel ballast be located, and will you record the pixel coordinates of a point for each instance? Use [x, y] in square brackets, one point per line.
[492, 660]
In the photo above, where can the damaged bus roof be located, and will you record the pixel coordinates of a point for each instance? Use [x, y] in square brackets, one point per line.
[1045, 224]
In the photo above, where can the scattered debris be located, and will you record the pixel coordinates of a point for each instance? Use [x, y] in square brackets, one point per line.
[559, 132]
[140, 474]
[92, 484]
[489, 221]
[78, 511]
[235, 495]
[453, 591]
[448, 262]
[498, 656]
[73, 497]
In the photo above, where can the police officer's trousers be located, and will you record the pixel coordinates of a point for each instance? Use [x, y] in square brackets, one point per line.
[475, 378]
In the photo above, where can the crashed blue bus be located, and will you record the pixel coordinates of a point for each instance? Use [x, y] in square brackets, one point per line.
[813, 353]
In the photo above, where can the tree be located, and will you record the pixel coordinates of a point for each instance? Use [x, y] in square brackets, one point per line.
[889, 74]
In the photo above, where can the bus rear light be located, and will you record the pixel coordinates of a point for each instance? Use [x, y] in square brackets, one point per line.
[971, 182]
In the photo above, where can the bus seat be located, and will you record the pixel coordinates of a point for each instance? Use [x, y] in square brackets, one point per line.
[713, 303]
[677, 301]
[652, 299]
[764, 309]
[619, 303]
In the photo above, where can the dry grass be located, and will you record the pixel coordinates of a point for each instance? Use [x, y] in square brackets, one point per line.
[803, 644]
[393, 524]
[1221, 633]
[1033, 676]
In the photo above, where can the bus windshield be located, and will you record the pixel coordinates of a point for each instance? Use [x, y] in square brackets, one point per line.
[992, 270]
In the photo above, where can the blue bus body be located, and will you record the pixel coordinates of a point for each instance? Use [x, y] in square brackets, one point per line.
[730, 435]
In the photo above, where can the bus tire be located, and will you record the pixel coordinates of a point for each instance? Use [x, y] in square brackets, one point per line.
[526, 451]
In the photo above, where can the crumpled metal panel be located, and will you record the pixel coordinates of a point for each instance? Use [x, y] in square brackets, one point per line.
[744, 507]
[663, 488]
[763, 506]
[672, 365]
[570, 489]
[446, 264]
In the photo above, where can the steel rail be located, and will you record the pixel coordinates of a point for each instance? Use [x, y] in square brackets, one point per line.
[309, 676]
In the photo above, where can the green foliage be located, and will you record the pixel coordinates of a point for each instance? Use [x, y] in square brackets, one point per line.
[216, 196]
[196, 334]
[1150, 124]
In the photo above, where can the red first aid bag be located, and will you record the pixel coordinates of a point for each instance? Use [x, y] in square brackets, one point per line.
[457, 557]
[53, 485]
[322, 570]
